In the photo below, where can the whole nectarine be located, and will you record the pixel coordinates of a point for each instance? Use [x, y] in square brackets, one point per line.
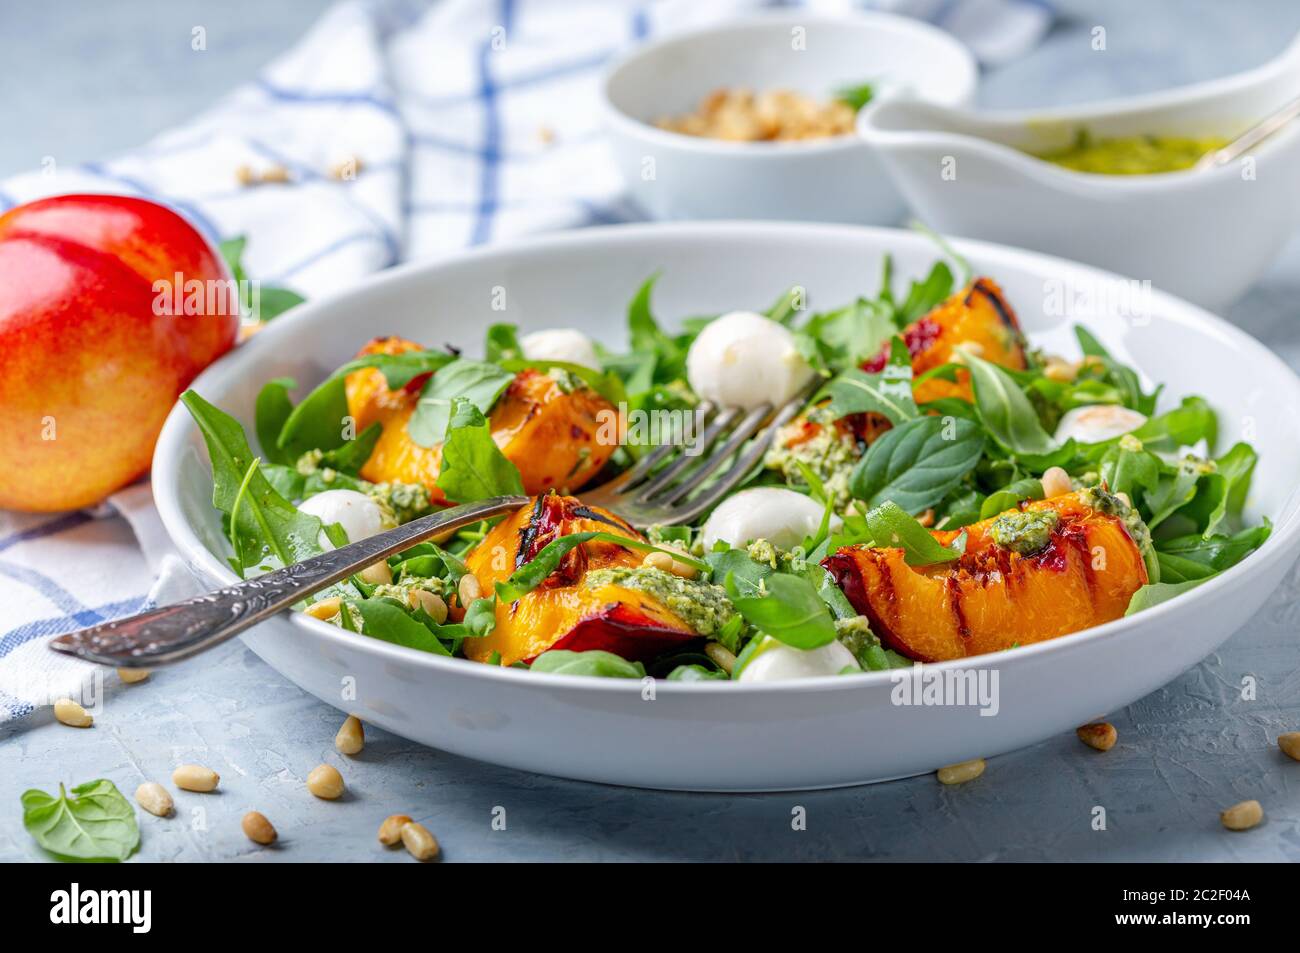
[109, 307]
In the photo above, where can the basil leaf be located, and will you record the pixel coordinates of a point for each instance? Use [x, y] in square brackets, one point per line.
[888, 393]
[1171, 492]
[398, 369]
[94, 822]
[917, 463]
[1223, 491]
[480, 617]
[737, 570]
[265, 518]
[1196, 556]
[473, 466]
[1132, 472]
[1029, 488]
[273, 302]
[1191, 421]
[790, 610]
[593, 662]
[502, 343]
[478, 383]
[891, 526]
[273, 408]
[647, 337]
[533, 573]
[352, 456]
[1124, 379]
[924, 296]
[606, 385]
[847, 336]
[318, 422]
[1004, 410]
[386, 620]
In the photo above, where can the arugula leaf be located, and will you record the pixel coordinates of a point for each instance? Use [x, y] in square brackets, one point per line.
[1197, 557]
[855, 97]
[272, 409]
[1183, 426]
[593, 662]
[924, 296]
[502, 343]
[888, 393]
[533, 573]
[917, 463]
[398, 369]
[1152, 594]
[789, 610]
[1132, 472]
[647, 337]
[1223, 492]
[845, 337]
[95, 822]
[1004, 410]
[1028, 488]
[1124, 379]
[473, 466]
[890, 526]
[478, 383]
[1172, 491]
[385, 619]
[352, 456]
[265, 518]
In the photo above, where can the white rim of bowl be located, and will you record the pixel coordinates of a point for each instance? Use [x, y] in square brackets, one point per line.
[766, 150]
[178, 426]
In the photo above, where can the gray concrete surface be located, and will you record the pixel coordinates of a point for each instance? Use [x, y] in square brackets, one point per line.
[96, 78]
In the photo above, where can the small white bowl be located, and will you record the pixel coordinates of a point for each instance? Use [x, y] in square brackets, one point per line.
[674, 176]
[1204, 235]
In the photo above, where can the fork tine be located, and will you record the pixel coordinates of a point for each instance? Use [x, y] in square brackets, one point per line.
[670, 473]
[615, 492]
[743, 431]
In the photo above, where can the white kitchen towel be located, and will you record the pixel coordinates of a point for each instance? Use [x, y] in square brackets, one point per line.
[473, 121]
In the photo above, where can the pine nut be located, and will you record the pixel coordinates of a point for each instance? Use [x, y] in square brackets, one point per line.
[245, 176]
[390, 832]
[432, 603]
[1055, 482]
[377, 574]
[153, 797]
[1290, 744]
[325, 782]
[720, 654]
[1100, 735]
[469, 589]
[1243, 816]
[132, 675]
[70, 713]
[961, 773]
[419, 842]
[325, 608]
[277, 174]
[926, 518]
[351, 737]
[679, 568]
[1058, 370]
[257, 828]
[658, 561]
[1124, 498]
[195, 777]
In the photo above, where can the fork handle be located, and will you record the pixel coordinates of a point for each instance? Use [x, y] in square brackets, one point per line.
[175, 632]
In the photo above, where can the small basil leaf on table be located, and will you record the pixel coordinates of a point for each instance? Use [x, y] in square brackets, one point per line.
[473, 466]
[1005, 411]
[891, 526]
[593, 662]
[478, 383]
[789, 610]
[917, 463]
[93, 822]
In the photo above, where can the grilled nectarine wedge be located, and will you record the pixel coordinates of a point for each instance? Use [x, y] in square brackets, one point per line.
[548, 434]
[993, 597]
[564, 612]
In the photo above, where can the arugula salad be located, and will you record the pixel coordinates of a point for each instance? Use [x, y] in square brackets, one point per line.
[948, 490]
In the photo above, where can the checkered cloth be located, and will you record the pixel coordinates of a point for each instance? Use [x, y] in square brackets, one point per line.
[474, 122]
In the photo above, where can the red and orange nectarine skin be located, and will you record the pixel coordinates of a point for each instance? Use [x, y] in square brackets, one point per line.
[88, 367]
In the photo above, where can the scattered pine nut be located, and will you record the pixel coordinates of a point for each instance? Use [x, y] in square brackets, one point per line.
[351, 737]
[432, 603]
[545, 135]
[71, 714]
[390, 832]
[1055, 482]
[469, 589]
[377, 574]
[1290, 744]
[257, 828]
[1100, 735]
[195, 777]
[245, 176]
[347, 169]
[419, 842]
[325, 608]
[154, 798]
[961, 773]
[926, 519]
[132, 676]
[1243, 816]
[325, 782]
[277, 174]
[725, 658]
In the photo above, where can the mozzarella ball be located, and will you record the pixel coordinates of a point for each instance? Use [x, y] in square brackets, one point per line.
[782, 517]
[782, 663]
[560, 344]
[357, 513]
[743, 359]
[1098, 422]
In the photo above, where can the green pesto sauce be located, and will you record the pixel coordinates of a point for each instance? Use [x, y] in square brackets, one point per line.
[701, 605]
[1025, 532]
[1103, 501]
[1132, 155]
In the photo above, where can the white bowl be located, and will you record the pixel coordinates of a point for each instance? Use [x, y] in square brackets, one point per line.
[1204, 235]
[673, 176]
[815, 733]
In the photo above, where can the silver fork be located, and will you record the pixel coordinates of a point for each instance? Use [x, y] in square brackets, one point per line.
[656, 491]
